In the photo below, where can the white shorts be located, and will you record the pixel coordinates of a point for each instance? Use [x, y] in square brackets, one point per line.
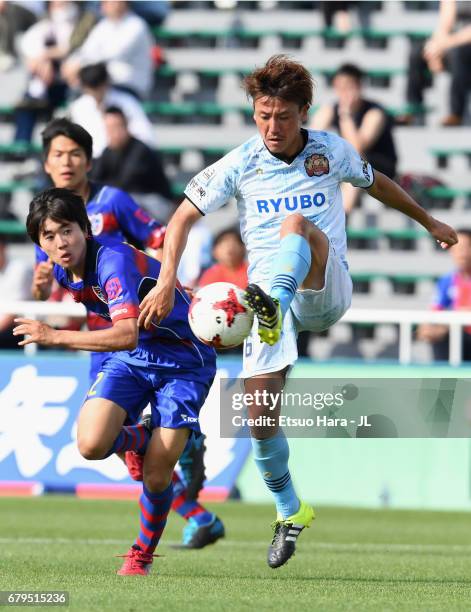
[312, 310]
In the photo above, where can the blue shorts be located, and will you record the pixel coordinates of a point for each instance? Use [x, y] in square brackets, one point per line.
[175, 402]
[96, 362]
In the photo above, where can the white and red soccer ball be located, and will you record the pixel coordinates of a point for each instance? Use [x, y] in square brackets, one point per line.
[219, 317]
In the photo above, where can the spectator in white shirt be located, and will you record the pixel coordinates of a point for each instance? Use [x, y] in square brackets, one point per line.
[98, 94]
[44, 47]
[124, 42]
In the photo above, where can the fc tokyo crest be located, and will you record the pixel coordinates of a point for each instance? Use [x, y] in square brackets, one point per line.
[99, 293]
[316, 165]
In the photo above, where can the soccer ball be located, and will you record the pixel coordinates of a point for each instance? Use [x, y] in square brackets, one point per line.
[219, 317]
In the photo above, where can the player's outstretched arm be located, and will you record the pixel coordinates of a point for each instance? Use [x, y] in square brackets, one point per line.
[159, 301]
[121, 337]
[391, 194]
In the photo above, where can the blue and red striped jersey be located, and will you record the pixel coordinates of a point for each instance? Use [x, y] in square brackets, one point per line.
[116, 280]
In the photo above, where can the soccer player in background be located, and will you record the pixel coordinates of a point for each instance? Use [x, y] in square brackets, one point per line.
[115, 217]
[452, 292]
[286, 181]
[166, 366]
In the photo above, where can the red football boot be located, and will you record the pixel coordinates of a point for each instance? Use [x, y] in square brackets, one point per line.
[135, 463]
[136, 563]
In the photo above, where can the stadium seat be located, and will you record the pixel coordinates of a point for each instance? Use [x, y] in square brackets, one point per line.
[18, 151]
[443, 155]
[8, 226]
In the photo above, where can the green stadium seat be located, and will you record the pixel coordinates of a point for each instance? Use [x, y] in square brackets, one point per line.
[7, 114]
[405, 284]
[404, 239]
[12, 186]
[18, 151]
[10, 227]
[442, 155]
[362, 281]
[363, 331]
[442, 197]
[366, 238]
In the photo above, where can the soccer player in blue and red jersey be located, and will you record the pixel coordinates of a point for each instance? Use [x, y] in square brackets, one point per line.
[166, 366]
[115, 217]
[453, 292]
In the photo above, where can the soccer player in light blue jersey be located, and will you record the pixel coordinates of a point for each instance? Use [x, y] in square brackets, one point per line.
[286, 181]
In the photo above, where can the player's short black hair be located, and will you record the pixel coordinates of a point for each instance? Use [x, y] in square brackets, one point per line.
[229, 231]
[116, 110]
[74, 131]
[58, 205]
[94, 75]
[466, 231]
[350, 70]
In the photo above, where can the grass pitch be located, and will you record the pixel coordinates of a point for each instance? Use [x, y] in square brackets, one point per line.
[348, 560]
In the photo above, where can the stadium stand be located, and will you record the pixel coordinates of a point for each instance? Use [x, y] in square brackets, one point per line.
[200, 111]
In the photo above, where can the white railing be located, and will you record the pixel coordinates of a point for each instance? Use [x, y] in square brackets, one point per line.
[406, 319]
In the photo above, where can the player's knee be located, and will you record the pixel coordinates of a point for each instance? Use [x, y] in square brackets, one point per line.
[157, 481]
[295, 224]
[91, 448]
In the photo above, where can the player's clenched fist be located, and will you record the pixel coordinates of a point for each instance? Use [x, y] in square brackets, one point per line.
[42, 280]
[157, 304]
[444, 234]
[35, 330]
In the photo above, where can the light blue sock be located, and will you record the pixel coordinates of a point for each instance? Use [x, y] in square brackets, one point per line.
[271, 457]
[289, 269]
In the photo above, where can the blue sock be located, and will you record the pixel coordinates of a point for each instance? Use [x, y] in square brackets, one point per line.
[271, 457]
[290, 267]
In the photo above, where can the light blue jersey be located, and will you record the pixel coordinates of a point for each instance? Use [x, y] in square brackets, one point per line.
[268, 189]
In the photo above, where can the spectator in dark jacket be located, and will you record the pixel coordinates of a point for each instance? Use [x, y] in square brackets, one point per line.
[131, 165]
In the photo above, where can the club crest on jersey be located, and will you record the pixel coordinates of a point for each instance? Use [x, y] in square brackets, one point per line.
[96, 222]
[99, 293]
[316, 165]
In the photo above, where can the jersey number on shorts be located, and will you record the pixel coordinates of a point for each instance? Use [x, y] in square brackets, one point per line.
[99, 377]
[248, 346]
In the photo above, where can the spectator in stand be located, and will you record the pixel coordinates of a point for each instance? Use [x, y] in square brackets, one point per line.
[449, 48]
[14, 18]
[339, 12]
[44, 46]
[98, 94]
[15, 283]
[231, 263]
[453, 293]
[131, 165]
[154, 12]
[123, 41]
[364, 123]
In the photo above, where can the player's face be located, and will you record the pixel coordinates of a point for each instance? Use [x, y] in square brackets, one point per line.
[279, 123]
[64, 242]
[67, 164]
[461, 253]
